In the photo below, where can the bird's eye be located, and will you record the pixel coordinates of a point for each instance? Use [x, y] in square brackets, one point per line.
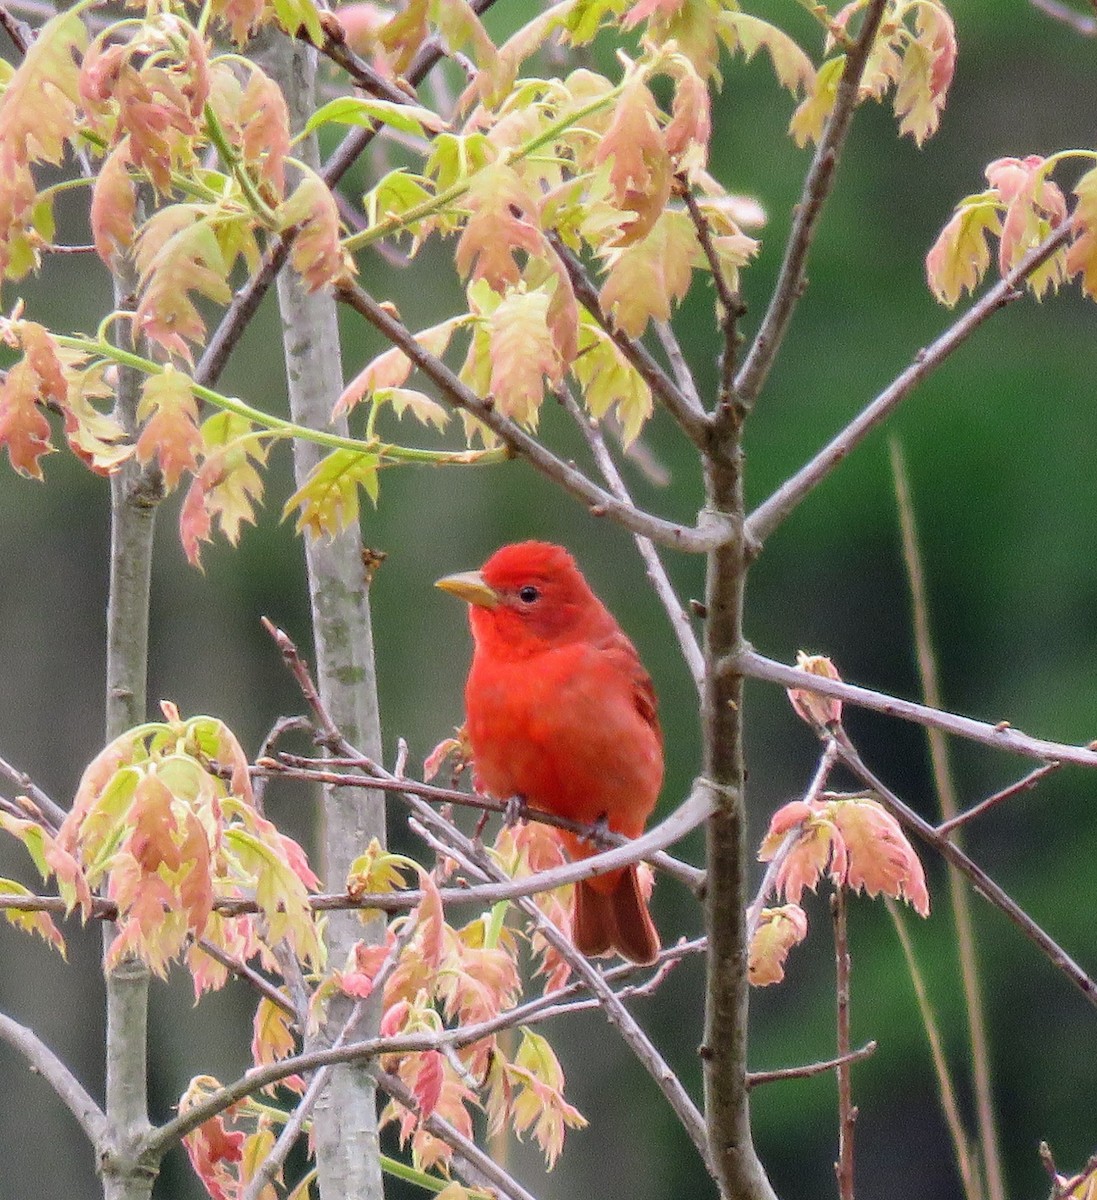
[528, 593]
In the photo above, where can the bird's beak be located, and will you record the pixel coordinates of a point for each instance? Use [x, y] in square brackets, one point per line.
[470, 587]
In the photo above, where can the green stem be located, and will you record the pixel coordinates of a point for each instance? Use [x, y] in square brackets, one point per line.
[279, 426]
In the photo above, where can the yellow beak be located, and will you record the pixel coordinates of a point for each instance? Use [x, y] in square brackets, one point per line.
[470, 587]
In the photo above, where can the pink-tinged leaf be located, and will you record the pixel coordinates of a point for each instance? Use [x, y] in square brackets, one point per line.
[95, 437]
[38, 109]
[880, 859]
[447, 747]
[819, 711]
[431, 917]
[361, 22]
[502, 222]
[648, 277]
[960, 256]
[816, 850]
[538, 1096]
[317, 255]
[113, 202]
[928, 65]
[691, 116]
[178, 252]
[644, 10]
[428, 1082]
[641, 171]
[779, 929]
[243, 17]
[749, 34]
[227, 486]
[1034, 206]
[272, 1036]
[392, 368]
[264, 121]
[24, 430]
[523, 355]
[214, 1150]
[170, 433]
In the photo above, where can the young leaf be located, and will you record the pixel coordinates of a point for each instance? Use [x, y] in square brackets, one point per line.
[779, 929]
[317, 254]
[749, 34]
[364, 110]
[170, 433]
[327, 502]
[40, 923]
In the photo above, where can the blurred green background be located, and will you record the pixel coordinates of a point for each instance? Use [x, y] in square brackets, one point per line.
[1001, 447]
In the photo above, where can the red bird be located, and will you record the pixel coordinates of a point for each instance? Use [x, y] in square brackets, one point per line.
[561, 712]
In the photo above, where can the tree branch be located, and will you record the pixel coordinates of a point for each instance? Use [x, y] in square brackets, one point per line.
[979, 879]
[68, 1088]
[1001, 736]
[656, 572]
[817, 187]
[684, 407]
[772, 512]
[711, 530]
[757, 1078]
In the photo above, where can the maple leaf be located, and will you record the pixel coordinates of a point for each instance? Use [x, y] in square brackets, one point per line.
[327, 502]
[213, 1149]
[39, 378]
[377, 870]
[40, 923]
[243, 17]
[272, 1033]
[170, 434]
[113, 204]
[641, 170]
[390, 370]
[811, 845]
[927, 68]
[536, 1082]
[778, 930]
[178, 252]
[689, 24]
[1082, 254]
[648, 277]
[18, 197]
[960, 256]
[317, 255]
[1034, 206]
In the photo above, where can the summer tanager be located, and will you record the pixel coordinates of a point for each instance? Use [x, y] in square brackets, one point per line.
[561, 713]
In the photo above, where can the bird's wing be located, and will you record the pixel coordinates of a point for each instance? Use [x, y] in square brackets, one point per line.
[620, 650]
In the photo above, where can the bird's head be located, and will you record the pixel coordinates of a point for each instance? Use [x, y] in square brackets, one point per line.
[527, 596]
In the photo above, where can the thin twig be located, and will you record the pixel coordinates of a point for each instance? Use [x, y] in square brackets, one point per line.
[847, 1112]
[730, 306]
[656, 572]
[679, 402]
[41, 1059]
[772, 512]
[710, 531]
[758, 1078]
[1025, 784]
[979, 879]
[1001, 736]
[53, 814]
[817, 187]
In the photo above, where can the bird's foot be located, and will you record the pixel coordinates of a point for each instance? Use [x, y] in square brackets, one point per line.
[515, 810]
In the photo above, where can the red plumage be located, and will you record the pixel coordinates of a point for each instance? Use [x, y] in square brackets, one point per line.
[561, 712]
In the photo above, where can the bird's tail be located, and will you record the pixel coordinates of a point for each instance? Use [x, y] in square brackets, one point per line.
[616, 919]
